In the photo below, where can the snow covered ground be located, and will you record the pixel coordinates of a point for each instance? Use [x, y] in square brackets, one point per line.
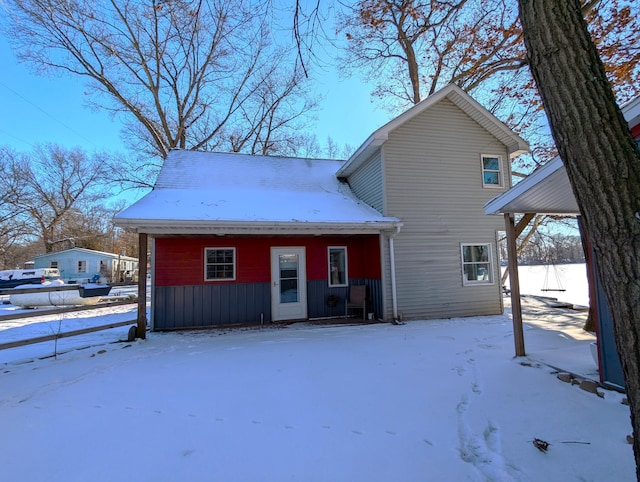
[426, 400]
[572, 278]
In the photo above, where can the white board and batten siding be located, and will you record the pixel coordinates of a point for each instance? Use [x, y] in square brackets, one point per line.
[431, 166]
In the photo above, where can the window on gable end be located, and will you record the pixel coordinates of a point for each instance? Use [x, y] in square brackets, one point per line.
[492, 171]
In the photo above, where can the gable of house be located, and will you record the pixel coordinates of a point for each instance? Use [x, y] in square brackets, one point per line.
[428, 172]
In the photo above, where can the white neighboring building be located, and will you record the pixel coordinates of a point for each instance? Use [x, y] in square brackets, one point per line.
[77, 265]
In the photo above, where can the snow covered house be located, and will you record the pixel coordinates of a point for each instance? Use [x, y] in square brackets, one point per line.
[80, 264]
[250, 239]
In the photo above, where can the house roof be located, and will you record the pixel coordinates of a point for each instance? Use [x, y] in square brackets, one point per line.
[547, 190]
[84, 250]
[230, 193]
[515, 144]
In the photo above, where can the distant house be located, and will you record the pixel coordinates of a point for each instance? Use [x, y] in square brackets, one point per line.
[79, 264]
[252, 239]
[548, 191]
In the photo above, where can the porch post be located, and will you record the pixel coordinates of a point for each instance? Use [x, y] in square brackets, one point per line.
[142, 286]
[514, 283]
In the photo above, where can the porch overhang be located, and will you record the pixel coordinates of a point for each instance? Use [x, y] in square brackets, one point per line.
[545, 191]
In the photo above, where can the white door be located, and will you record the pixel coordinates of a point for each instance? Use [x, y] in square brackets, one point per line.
[288, 284]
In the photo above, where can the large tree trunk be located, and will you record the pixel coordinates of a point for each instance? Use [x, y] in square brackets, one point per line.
[602, 162]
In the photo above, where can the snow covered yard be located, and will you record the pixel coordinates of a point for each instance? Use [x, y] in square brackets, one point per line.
[427, 400]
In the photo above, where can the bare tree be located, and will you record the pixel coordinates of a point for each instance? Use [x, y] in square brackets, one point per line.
[13, 225]
[415, 47]
[602, 161]
[420, 46]
[44, 188]
[183, 74]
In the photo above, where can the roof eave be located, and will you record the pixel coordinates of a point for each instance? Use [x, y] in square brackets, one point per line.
[364, 152]
[220, 228]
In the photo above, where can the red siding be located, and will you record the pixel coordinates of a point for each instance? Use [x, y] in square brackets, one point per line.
[180, 261]
[636, 132]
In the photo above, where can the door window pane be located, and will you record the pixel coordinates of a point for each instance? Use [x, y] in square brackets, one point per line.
[288, 264]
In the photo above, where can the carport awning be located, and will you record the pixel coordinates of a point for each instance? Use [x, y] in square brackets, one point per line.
[546, 191]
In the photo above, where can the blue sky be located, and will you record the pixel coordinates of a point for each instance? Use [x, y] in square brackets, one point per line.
[37, 109]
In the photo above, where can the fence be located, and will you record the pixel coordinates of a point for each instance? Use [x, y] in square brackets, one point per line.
[67, 309]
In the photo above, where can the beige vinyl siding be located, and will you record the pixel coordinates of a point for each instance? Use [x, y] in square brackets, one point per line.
[366, 182]
[433, 176]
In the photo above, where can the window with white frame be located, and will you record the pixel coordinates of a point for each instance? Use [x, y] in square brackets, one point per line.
[219, 264]
[477, 265]
[491, 171]
[82, 266]
[338, 266]
[53, 264]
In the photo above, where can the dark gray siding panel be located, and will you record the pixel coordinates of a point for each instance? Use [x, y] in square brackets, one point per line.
[318, 292]
[179, 307]
[183, 307]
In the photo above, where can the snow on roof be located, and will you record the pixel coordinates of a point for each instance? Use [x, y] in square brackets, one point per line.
[201, 190]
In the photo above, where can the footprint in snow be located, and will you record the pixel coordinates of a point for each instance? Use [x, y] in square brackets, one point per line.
[483, 451]
[486, 346]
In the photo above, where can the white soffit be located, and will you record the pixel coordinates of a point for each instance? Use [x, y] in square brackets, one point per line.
[545, 191]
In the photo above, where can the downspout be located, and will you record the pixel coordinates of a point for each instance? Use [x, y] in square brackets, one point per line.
[392, 260]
